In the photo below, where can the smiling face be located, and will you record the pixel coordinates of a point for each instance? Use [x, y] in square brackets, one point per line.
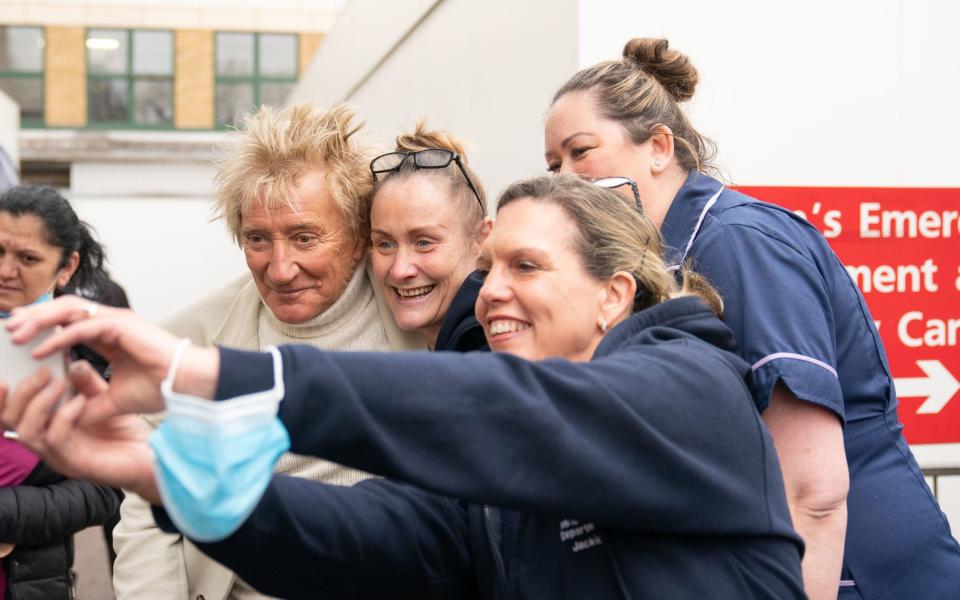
[579, 140]
[29, 265]
[301, 259]
[423, 249]
[537, 301]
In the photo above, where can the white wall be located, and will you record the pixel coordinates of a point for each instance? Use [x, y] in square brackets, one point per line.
[155, 221]
[820, 93]
[484, 70]
[186, 179]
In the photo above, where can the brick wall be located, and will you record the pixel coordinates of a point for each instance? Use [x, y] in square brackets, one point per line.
[193, 85]
[65, 77]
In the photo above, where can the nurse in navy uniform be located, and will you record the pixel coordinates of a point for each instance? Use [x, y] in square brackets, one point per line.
[822, 381]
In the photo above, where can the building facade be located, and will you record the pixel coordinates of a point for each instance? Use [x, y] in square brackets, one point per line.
[123, 106]
[81, 68]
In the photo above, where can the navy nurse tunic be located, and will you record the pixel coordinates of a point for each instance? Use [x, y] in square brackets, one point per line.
[799, 318]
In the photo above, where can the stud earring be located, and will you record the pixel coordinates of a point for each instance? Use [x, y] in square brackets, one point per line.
[656, 163]
[603, 325]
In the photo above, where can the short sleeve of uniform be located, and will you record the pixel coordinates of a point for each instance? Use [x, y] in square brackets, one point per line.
[777, 303]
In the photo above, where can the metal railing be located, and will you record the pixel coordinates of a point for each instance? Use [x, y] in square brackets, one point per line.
[936, 474]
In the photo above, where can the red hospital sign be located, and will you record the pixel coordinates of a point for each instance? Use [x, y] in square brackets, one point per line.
[902, 248]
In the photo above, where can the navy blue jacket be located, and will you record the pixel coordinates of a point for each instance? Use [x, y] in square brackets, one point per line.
[644, 473]
[460, 330]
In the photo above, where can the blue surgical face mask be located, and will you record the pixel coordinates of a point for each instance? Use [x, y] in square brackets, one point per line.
[214, 460]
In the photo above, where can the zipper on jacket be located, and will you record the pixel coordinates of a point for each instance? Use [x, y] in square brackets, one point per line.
[493, 539]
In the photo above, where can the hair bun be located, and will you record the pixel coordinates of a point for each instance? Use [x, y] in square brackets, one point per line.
[672, 69]
[422, 138]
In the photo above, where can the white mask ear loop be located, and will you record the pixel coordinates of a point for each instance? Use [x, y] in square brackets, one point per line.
[166, 386]
[231, 407]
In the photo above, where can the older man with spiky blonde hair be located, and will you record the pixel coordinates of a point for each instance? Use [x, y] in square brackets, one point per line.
[294, 190]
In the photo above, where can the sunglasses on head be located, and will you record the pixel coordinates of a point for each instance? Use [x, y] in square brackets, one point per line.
[431, 158]
[617, 181]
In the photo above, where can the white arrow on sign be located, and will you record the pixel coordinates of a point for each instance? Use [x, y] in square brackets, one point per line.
[937, 387]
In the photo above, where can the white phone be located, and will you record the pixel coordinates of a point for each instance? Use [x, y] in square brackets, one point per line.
[16, 362]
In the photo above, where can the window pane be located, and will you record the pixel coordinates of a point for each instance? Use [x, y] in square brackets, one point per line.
[233, 100]
[21, 49]
[153, 102]
[107, 51]
[27, 92]
[275, 94]
[234, 54]
[278, 55]
[108, 100]
[152, 53]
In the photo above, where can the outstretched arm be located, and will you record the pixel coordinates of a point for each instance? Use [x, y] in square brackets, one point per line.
[660, 436]
[377, 539]
[661, 439]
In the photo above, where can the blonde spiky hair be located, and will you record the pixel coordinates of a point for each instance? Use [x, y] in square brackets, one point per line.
[274, 147]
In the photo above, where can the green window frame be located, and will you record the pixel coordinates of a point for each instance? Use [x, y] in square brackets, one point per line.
[20, 75]
[130, 78]
[257, 79]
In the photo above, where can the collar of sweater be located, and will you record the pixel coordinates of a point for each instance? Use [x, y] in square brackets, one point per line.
[352, 302]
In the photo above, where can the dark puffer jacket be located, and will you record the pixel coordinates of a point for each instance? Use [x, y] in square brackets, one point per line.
[40, 517]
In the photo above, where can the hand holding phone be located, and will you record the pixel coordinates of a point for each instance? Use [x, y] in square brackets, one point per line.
[16, 362]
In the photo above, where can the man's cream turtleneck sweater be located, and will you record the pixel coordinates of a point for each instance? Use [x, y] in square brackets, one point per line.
[351, 323]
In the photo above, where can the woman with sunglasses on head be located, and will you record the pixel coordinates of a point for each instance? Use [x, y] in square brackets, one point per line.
[612, 424]
[45, 250]
[427, 223]
[820, 371]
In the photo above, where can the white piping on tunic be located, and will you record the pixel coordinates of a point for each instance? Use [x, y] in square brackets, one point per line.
[696, 230]
[779, 355]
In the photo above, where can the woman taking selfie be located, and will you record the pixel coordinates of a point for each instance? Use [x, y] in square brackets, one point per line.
[427, 223]
[612, 424]
[821, 377]
[44, 249]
